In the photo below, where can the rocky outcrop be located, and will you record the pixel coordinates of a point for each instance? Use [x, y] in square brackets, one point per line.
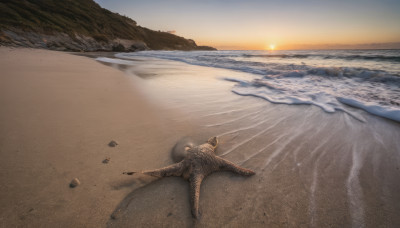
[64, 42]
[80, 25]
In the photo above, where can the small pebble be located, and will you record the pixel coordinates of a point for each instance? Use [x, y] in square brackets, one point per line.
[107, 160]
[75, 182]
[112, 143]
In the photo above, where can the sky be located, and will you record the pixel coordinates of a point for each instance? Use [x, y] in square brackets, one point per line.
[266, 24]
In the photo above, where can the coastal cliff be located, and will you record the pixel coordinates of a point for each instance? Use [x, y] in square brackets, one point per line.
[80, 25]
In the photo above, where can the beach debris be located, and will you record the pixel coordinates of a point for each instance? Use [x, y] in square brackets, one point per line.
[75, 182]
[179, 152]
[200, 161]
[107, 160]
[112, 143]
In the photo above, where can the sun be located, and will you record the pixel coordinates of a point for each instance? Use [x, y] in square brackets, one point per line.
[272, 47]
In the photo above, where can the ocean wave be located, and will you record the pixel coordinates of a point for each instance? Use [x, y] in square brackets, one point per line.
[330, 95]
[373, 108]
[114, 61]
[227, 61]
[364, 57]
[344, 57]
[278, 56]
[375, 90]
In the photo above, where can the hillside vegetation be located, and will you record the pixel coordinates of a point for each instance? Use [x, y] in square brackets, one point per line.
[81, 25]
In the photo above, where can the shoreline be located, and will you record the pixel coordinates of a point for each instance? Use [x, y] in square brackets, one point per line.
[59, 111]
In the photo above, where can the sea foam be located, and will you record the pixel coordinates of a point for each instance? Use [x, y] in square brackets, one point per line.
[330, 80]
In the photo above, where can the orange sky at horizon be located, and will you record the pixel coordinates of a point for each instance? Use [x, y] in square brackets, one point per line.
[256, 24]
[279, 46]
[281, 43]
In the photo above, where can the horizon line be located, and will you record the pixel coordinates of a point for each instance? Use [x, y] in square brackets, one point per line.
[316, 49]
[332, 46]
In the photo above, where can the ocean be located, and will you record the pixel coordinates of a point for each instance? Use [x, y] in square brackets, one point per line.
[329, 79]
[320, 129]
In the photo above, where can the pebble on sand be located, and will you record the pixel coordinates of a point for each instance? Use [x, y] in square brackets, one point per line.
[112, 143]
[107, 160]
[75, 182]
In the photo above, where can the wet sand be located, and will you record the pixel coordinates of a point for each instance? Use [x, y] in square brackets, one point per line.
[314, 169]
[59, 112]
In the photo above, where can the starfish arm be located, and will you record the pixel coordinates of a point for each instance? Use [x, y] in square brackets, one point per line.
[195, 182]
[229, 166]
[172, 170]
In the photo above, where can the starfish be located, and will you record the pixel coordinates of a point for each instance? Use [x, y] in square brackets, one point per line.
[199, 162]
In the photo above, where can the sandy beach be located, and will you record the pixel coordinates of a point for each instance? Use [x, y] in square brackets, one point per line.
[59, 112]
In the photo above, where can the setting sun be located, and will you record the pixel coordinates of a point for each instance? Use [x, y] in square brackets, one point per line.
[272, 47]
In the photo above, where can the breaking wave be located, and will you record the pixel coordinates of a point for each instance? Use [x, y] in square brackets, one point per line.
[331, 80]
